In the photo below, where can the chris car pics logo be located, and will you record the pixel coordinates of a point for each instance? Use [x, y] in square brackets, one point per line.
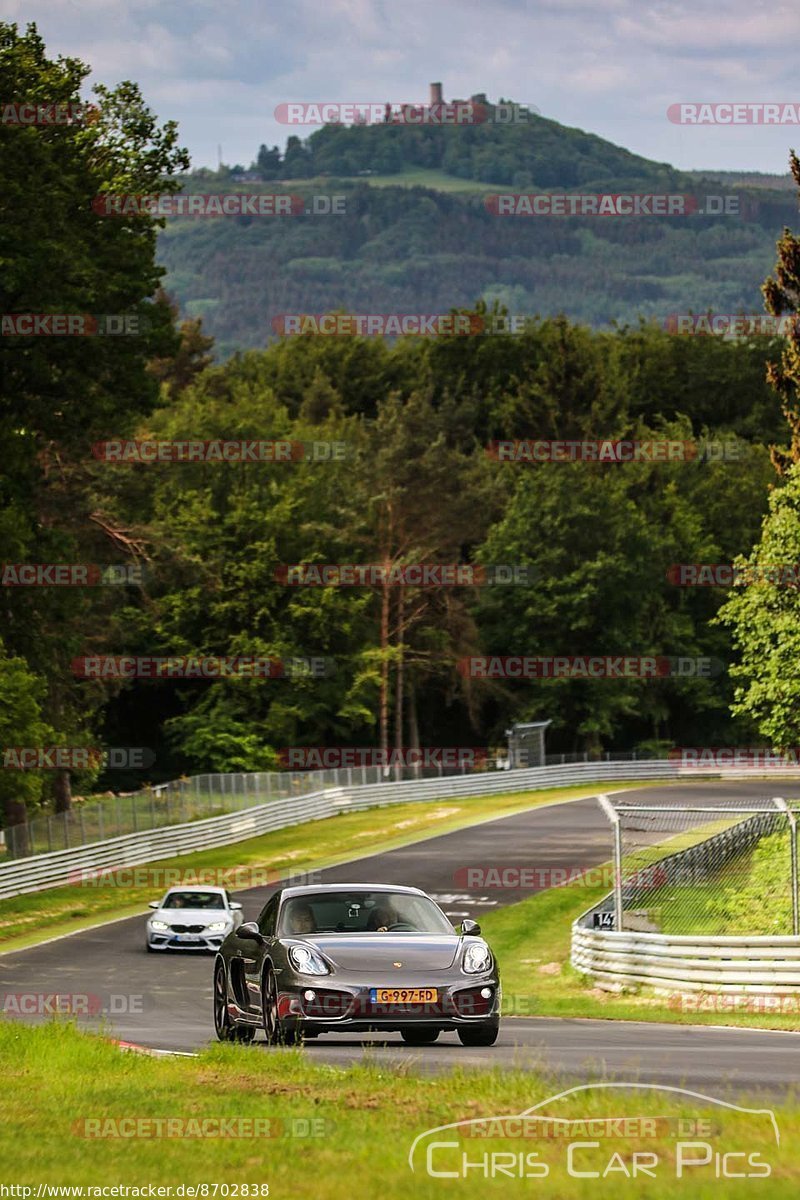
[697, 1138]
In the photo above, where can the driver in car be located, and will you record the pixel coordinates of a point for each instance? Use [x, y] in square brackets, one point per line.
[303, 919]
[381, 918]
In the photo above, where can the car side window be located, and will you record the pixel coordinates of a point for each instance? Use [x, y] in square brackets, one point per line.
[266, 921]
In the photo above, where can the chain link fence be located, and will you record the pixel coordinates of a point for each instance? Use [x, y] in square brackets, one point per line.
[726, 867]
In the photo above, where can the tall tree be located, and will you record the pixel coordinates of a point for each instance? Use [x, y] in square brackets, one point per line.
[59, 394]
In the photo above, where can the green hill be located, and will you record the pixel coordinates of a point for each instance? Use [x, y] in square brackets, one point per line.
[418, 234]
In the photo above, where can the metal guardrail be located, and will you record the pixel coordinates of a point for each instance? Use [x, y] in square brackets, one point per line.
[683, 963]
[42, 871]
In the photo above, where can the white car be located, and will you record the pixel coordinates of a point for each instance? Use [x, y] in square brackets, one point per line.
[192, 919]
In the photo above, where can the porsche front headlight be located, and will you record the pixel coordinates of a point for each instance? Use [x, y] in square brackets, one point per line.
[307, 961]
[477, 958]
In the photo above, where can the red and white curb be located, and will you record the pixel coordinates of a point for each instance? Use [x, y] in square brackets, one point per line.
[134, 1048]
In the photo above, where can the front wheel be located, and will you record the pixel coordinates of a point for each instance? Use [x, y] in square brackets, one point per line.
[223, 1026]
[419, 1037]
[484, 1034]
[277, 1034]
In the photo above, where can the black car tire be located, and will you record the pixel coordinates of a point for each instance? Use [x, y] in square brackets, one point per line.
[419, 1037]
[223, 1026]
[484, 1034]
[276, 1033]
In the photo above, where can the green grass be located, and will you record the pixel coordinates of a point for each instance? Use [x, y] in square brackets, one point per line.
[363, 1121]
[27, 919]
[752, 895]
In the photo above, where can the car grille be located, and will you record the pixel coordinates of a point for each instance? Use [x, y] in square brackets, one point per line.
[187, 928]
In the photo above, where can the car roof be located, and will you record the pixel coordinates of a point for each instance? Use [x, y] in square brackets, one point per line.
[195, 887]
[314, 889]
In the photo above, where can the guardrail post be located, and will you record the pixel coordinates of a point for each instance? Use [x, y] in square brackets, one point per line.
[784, 808]
[613, 816]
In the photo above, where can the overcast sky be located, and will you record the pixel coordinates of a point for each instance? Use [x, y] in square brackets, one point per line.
[220, 67]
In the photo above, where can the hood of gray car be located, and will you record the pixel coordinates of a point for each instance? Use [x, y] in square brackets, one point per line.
[380, 951]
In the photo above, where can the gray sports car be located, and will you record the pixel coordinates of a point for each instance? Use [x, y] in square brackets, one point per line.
[355, 957]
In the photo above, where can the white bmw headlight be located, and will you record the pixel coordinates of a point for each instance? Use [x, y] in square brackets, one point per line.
[307, 961]
[477, 958]
[217, 926]
[158, 924]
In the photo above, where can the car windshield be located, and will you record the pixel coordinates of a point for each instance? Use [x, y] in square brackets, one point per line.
[193, 900]
[362, 912]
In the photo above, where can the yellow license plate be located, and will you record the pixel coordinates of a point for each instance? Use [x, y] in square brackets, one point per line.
[404, 995]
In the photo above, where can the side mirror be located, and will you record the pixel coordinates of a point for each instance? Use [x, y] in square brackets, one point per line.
[249, 932]
[235, 906]
[154, 904]
[470, 927]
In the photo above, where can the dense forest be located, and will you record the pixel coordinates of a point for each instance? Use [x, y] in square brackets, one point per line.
[416, 482]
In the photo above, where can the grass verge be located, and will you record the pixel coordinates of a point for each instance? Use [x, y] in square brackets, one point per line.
[332, 1133]
[25, 920]
[532, 943]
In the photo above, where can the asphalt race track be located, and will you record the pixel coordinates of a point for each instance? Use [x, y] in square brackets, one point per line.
[164, 1001]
